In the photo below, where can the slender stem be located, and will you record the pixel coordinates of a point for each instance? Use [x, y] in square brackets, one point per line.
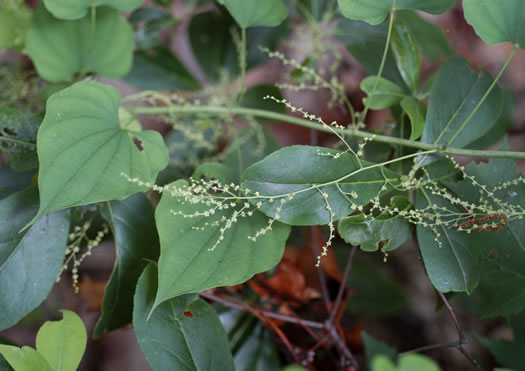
[241, 307]
[16, 141]
[426, 348]
[343, 284]
[320, 272]
[236, 143]
[93, 20]
[218, 110]
[362, 117]
[242, 62]
[453, 316]
[469, 357]
[485, 96]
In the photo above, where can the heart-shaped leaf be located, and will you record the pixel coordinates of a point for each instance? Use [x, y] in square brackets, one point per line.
[62, 343]
[85, 155]
[497, 21]
[61, 49]
[457, 90]
[309, 179]
[29, 261]
[375, 11]
[183, 333]
[67, 9]
[186, 265]
[133, 224]
[249, 13]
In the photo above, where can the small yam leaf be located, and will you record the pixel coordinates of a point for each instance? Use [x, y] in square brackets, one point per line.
[301, 175]
[375, 11]
[171, 340]
[455, 93]
[453, 259]
[67, 9]
[62, 343]
[416, 111]
[133, 224]
[369, 232]
[497, 21]
[187, 265]
[61, 49]
[250, 13]
[406, 54]
[386, 93]
[29, 261]
[85, 156]
[24, 359]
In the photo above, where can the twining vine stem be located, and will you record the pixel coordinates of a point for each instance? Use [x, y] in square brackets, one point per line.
[242, 111]
[362, 116]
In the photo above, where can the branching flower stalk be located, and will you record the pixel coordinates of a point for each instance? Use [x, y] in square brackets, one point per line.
[78, 239]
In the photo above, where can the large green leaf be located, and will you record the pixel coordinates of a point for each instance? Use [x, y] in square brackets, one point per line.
[67, 9]
[455, 93]
[29, 261]
[504, 251]
[137, 241]
[24, 359]
[183, 333]
[85, 154]
[62, 343]
[61, 49]
[375, 11]
[456, 263]
[308, 172]
[497, 21]
[249, 13]
[235, 258]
